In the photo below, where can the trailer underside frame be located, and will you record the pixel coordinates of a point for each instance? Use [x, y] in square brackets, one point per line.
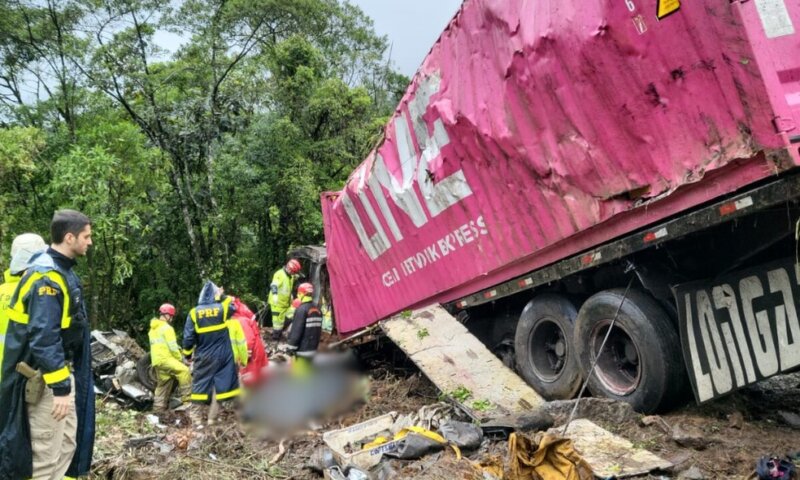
[736, 206]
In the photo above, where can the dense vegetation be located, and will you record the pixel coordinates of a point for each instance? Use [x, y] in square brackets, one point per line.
[203, 161]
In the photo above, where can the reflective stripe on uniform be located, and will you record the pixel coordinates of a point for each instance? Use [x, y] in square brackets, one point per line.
[19, 317]
[58, 376]
[211, 328]
[199, 396]
[17, 312]
[189, 352]
[226, 395]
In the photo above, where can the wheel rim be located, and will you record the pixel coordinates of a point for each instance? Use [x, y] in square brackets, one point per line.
[549, 348]
[619, 367]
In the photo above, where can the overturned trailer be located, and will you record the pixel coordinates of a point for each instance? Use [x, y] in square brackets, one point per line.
[546, 153]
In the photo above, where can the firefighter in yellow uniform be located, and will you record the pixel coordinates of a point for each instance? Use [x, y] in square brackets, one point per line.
[280, 295]
[165, 357]
[238, 342]
[22, 249]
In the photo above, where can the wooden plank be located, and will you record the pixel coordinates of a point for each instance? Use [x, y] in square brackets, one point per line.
[609, 455]
[449, 355]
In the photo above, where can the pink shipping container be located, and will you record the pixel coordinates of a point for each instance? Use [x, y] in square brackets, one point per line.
[537, 130]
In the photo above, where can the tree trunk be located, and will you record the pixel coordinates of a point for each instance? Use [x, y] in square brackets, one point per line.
[188, 223]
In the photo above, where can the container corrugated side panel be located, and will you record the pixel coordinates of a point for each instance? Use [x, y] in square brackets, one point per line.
[534, 130]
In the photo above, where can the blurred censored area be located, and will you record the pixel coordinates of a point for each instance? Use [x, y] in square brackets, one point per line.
[296, 395]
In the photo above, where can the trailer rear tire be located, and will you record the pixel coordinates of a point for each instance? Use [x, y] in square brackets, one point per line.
[641, 363]
[146, 373]
[543, 347]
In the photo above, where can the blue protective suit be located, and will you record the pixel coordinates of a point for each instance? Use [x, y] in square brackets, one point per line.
[49, 330]
[206, 337]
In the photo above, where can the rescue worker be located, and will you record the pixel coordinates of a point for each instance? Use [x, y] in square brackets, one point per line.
[256, 353]
[238, 342]
[280, 295]
[49, 426]
[22, 249]
[165, 357]
[206, 337]
[306, 326]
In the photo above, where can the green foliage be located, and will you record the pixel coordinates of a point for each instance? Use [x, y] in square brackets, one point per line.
[203, 163]
[20, 148]
[481, 405]
[119, 182]
[461, 394]
[422, 333]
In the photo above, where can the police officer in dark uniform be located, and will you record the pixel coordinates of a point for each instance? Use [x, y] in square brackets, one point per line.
[206, 338]
[50, 428]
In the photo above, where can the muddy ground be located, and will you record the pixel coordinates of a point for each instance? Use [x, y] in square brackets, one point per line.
[721, 439]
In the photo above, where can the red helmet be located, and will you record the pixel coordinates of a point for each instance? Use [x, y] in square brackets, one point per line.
[293, 266]
[305, 289]
[167, 309]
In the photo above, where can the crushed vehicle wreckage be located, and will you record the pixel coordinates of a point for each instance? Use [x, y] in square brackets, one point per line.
[121, 369]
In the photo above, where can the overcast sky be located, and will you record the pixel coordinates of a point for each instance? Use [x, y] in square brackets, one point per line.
[410, 25]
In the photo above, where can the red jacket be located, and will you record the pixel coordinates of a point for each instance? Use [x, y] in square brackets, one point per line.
[257, 363]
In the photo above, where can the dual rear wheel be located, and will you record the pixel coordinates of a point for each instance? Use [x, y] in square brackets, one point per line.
[641, 363]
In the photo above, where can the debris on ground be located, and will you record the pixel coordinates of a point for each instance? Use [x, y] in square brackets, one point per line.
[121, 369]
[460, 365]
[733, 432]
[610, 455]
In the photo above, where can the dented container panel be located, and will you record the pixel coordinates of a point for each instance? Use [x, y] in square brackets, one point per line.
[535, 130]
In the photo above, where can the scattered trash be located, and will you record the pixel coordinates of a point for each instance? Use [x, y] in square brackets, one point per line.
[467, 436]
[153, 419]
[416, 443]
[547, 457]
[609, 455]
[139, 442]
[321, 459]
[116, 359]
[429, 417]
[491, 467]
[356, 474]
[336, 473]
[342, 442]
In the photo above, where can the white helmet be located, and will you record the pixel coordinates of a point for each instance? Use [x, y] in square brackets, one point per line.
[22, 249]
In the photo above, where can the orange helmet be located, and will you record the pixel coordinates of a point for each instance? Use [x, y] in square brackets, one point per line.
[305, 289]
[167, 309]
[293, 266]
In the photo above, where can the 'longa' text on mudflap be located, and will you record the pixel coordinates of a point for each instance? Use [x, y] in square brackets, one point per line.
[740, 328]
